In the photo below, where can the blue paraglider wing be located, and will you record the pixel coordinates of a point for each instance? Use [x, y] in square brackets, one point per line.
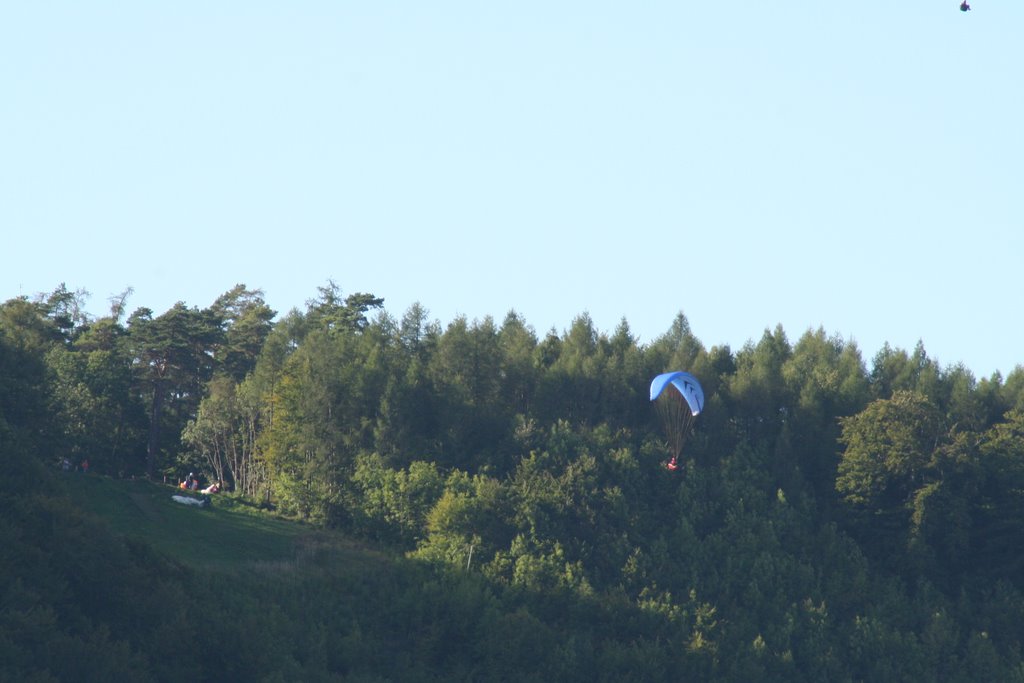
[683, 382]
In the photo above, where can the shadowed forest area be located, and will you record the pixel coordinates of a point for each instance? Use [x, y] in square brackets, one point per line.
[411, 501]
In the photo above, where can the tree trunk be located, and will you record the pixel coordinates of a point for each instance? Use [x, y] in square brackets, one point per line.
[152, 445]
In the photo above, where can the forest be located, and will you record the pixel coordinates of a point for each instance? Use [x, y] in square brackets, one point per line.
[834, 518]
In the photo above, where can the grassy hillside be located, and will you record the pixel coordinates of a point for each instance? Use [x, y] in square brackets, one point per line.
[230, 534]
[255, 597]
[248, 596]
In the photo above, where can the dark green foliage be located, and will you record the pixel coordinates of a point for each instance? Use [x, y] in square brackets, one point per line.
[173, 356]
[829, 522]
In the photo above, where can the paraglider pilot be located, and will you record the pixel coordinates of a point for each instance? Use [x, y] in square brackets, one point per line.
[964, 6]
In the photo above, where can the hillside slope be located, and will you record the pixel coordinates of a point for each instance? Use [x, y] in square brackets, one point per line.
[230, 534]
[139, 588]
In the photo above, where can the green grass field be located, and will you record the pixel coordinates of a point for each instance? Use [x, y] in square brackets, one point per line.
[229, 535]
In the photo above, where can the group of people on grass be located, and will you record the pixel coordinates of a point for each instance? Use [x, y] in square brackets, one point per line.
[65, 464]
[191, 483]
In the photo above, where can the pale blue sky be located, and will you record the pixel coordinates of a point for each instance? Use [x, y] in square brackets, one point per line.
[854, 166]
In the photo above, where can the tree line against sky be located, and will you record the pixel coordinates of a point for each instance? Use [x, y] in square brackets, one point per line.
[834, 517]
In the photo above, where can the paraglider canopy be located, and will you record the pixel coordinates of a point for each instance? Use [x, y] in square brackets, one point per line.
[679, 399]
[683, 382]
